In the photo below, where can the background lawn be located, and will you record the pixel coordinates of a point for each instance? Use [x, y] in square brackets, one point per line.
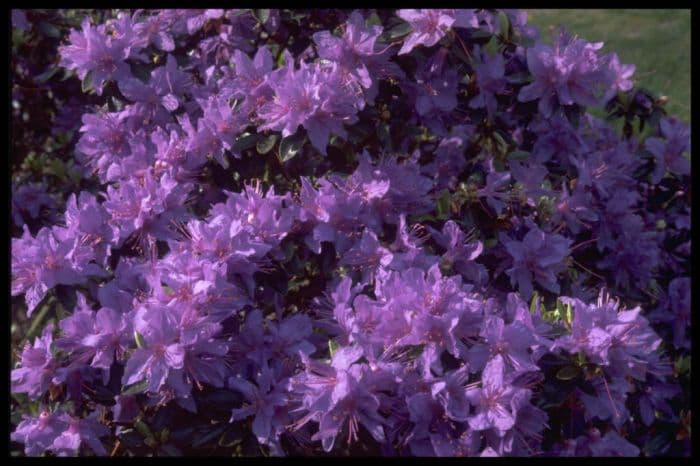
[656, 41]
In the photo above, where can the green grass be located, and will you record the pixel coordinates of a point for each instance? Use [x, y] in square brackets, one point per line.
[656, 41]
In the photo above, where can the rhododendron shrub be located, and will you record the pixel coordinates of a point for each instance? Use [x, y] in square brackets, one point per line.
[369, 232]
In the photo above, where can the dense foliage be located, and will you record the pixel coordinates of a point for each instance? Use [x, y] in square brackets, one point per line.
[371, 232]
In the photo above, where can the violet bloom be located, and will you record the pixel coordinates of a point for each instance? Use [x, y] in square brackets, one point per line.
[539, 256]
[492, 400]
[162, 352]
[669, 151]
[37, 366]
[87, 221]
[621, 74]
[38, 433]
[569, 72]
[493, 190]
[340, 395]
[39, 264]
[436, 86]
[109, 148]
[357, 54]
[366, 255]
[449, 158]
[461, 252]
[491, 81]
[146, 205]
[314, 97]
[100, 336]
[248, 79]
[155, 29]
[80, 431]
[573, 209]
[512, 341]
[93, 51]
[266, 400]
[32, 199]
[428, 27]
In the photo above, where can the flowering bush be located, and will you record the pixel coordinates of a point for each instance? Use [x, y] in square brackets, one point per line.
[369, 233]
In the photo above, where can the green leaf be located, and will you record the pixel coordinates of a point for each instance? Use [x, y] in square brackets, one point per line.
[568, 314]
[480, 35]
[49, 30]
[442, 207]
[210, 434]
[504, 25]
[533, 302]
[46, 75]
[266, 144]
[138, 338]
[519, 155]
[244, 141]
[171, 450]
[520, 78]
[384, 136]
[290, 147]
[567, 373]
[399, 31]
[332, 347]
[373, 20]
[135, 388]
[38, 320]
[262, 15]
[143, 429]
[86, 85]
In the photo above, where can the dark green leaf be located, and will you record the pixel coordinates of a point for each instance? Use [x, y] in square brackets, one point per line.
[504, 25]
[171, 450]
[46, 75]
[290, 146]
[136, 388]
[520, 78]
[49, 30]
[519, 155]
[374, 20]
[262, 15]
[567, 373]
[143, 429]
[245, 141]
[266, 144]
[210, 434]
[399, 31]
[86, 85]
[442, 207]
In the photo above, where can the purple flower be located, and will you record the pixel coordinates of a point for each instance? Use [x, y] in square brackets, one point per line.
[155, 29]
[80, 431]
[314, 97]
[539, 256]
[30, 198]
[621, 74]
[491, 81]
[265, 401]
[435, 87]
[38, 433]
[668, 152]
[461, 252]
[95, 52]
[492, 400]
[428, 26]
[39, 264]
[357, 54]
[37, 366]
[570, 72]
[162, 353]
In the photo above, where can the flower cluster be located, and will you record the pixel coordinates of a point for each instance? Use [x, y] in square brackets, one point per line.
[353, 233]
